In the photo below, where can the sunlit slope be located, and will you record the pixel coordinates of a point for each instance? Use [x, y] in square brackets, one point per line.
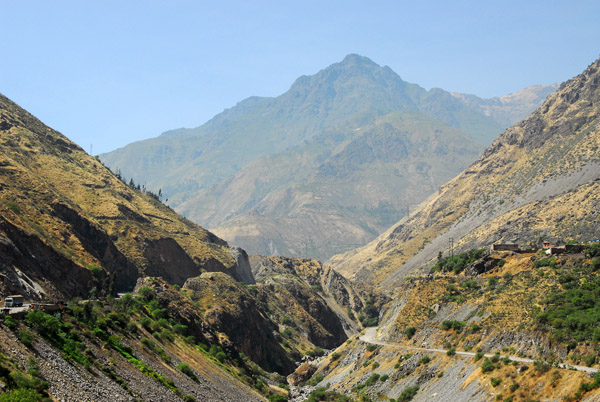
[536, 180]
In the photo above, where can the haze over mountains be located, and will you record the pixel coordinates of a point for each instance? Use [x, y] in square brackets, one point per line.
[207, 322]
[538, 180]
[351, 149]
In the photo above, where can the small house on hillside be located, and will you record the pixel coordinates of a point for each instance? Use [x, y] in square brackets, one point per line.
[553, 250]
[505, 247]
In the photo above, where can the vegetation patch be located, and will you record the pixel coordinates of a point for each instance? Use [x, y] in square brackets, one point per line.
[457, 263]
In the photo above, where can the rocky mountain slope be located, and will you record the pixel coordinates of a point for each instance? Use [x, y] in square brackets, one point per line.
[538, 180]
[67, 222]
[337, 191]
[351, 93]
[504, 326]
[271, 173]
[70, 229]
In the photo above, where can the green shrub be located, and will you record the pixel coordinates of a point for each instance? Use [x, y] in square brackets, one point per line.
[180, 329]
[425, 359]
[453, 324]
[459, 262]
[408, 394]
[146, 323]
[470, 284]
[316, 352]
[188, 398]
[10, 322]
[451, 352]
[147, 293]
[410, 332]
[13, 207]
[187, 370]
[277, 398]
[545, 262]
[371, 347]
[514, 387]
[321, 394]
[26, 337]
[372, 380]
[593, 250]
[315, 380]
[590, 360]
[487, 366]
[132, 327]
[478, 355]
[221, 356]
[495, 381]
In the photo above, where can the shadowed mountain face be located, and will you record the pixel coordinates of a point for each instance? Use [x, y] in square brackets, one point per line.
[68, 225]
[70, 228]
[538, 180]
[270, 174]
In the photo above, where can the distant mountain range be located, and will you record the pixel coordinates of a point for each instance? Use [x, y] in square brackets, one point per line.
[539, 180]
[326, 166]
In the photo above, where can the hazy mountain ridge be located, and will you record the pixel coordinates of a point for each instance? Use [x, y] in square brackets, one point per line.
[541, 159]
[337, 191]
[219, 174]
[511, 108]
[351, 93]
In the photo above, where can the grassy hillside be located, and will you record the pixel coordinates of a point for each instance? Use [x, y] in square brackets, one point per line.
[66, 216]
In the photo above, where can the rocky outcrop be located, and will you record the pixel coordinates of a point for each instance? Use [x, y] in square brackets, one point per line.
[235, 313]
[30, 267]
[241, 270]
[99, 244]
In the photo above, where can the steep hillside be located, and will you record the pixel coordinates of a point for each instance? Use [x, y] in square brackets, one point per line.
[68, 224]
[538, 180]
[197, 325]
[337, 191]
[507, 326]
[348, 302]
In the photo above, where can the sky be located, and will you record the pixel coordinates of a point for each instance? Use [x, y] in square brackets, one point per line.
[108, 73]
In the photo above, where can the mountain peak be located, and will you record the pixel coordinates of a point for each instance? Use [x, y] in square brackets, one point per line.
[353, 59]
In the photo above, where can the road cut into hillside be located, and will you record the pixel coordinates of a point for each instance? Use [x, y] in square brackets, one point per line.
[370, 336]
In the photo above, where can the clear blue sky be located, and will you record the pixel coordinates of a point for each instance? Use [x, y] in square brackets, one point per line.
[113, 72]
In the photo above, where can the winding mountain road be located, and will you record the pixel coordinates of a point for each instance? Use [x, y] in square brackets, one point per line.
[370, 336]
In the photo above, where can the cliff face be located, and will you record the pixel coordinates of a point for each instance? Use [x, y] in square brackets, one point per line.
[68, 224]
[538, 180]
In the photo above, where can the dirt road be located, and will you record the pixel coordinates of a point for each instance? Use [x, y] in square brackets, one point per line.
[370, 336]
